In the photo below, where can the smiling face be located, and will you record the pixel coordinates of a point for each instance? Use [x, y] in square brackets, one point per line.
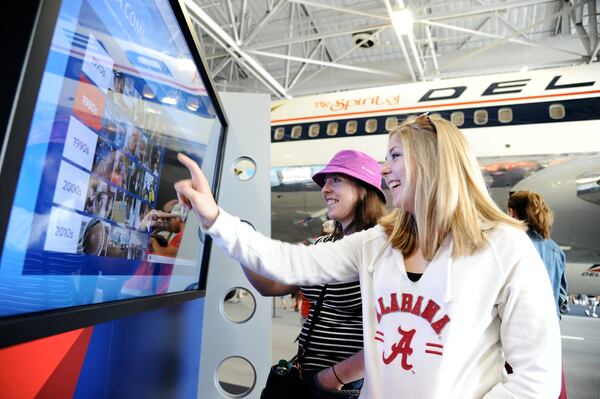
[394, 174]
[341, 194]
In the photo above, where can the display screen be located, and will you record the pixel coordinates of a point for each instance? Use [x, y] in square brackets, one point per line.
[94, 216]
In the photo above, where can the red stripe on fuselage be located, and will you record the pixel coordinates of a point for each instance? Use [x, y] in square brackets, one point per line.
[576, 93]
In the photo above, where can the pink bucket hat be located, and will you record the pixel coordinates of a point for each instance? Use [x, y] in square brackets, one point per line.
[355, 164]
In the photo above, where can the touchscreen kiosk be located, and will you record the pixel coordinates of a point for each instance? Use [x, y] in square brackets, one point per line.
[91, 215]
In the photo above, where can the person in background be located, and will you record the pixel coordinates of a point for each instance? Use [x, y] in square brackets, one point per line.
[296, 301]
[285, 300]
[533, 210]
[592, 305]
[304, 307]
[166, 228]
[174, 216]
[351, 187]
[451, 286]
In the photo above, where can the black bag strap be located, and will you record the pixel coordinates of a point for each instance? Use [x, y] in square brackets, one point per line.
[303, 349]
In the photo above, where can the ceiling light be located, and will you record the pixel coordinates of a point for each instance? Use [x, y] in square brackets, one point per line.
[402, 20]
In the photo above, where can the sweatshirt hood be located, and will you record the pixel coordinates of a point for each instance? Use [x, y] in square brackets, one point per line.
[448, 270]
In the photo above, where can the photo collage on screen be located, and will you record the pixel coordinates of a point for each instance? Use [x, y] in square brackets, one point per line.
[110, 166]
[125, 171]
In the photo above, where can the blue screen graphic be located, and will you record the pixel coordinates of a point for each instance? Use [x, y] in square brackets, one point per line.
[95, 216]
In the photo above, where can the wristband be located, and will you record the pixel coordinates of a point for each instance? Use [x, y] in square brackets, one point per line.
[336, 376]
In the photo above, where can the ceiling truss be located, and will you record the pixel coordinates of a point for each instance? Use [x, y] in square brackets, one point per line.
[297, 47]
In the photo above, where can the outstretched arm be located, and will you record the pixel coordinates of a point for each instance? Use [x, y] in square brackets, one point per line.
[267, 287]
[195, 193]
[287, 263]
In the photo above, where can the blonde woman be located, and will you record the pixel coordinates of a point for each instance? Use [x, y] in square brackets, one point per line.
[451, 286]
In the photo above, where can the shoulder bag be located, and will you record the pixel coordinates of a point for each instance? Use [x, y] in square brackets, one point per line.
[286, 378]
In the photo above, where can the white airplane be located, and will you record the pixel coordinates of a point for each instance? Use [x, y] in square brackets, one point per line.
[535, 130]
[320, 214]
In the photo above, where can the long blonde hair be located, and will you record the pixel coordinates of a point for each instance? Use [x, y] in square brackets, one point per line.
[450, 193]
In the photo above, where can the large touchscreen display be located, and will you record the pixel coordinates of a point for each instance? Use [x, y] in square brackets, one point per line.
[95, 216]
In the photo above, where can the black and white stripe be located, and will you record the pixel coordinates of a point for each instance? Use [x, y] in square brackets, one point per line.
[337, 333]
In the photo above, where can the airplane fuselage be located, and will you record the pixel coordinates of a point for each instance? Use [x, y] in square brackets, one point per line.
[519, 125]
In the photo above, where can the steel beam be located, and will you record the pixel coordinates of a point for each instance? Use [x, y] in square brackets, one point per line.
[263, 21]
[507, 39]
[324, 63]
[411, 70]
[303, 66]
[504, 39]
[344, 10]
[475, 11]
[233, 23]
[341, 56]
[220, 36]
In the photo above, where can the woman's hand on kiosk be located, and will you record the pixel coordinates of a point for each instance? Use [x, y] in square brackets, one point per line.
[195, 193]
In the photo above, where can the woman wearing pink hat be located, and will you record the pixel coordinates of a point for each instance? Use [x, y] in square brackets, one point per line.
[452, 287]
[351, 187]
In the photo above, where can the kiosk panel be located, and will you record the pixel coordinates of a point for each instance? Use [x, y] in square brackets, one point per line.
[114, 93]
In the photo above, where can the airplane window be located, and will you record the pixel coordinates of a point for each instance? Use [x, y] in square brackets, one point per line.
[371, 125]
[313, 130]
[557, 111]
[391, 122]
[279, 133]
[505, 115]
[148, 92]
[457, 118]
[332, 128]
[351, 127]
[480, 117]
[192, 103]
[296, 132]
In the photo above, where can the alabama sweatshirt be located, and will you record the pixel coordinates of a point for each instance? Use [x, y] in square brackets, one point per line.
[447, 335]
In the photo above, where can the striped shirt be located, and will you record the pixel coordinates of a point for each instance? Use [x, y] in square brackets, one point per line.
[337, 333]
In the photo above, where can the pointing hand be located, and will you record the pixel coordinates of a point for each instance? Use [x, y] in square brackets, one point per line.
[195, 193]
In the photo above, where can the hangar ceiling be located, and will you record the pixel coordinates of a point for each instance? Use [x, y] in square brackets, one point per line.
[291, 48]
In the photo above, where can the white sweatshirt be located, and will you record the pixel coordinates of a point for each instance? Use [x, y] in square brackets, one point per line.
[445, 336]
